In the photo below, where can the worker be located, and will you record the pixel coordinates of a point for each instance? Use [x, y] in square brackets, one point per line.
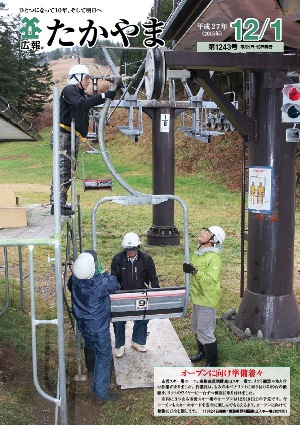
[205, 269]
[75, 105]
[91, 309]
[89, 352]
[134, 269]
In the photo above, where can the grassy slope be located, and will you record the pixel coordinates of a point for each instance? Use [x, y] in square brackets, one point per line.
[208, 203]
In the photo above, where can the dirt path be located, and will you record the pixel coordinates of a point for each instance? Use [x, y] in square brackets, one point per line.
[26, 187]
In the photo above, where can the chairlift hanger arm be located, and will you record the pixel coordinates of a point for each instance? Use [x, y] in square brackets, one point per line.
[116, 73]
[102, 148]
[244, 124]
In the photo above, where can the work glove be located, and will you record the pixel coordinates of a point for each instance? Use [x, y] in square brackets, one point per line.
[118, 82]
[189, 268]
[110, 94]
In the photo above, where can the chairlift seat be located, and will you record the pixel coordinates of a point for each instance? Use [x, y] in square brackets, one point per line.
[91, 136]
[202, 135]
[130, 131]
[144, 304]
[186, 128]
[97, 184]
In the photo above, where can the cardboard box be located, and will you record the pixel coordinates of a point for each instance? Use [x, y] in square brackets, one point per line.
[7, 197]
[13, 217]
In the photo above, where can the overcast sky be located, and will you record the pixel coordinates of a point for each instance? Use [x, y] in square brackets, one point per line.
[108, 13]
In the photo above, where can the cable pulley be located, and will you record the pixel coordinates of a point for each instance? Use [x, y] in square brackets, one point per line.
[155, 73]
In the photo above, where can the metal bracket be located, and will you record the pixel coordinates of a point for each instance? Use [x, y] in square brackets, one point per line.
[178, 73]
[292, 134]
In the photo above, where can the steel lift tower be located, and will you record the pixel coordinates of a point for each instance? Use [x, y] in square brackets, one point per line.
[268, 302]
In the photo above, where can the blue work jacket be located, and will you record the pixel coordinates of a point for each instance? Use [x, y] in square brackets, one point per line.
[91, 303]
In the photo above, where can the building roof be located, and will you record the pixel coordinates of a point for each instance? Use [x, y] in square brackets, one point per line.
[185, 25]
[14, 127]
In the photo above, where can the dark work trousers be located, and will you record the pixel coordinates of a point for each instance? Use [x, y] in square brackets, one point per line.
[101, 343]
[139, 332]
[64, 165]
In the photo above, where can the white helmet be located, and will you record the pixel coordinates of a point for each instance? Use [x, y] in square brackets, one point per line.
[76, 74]
[131, 240]
[84, 266]
[218, 233]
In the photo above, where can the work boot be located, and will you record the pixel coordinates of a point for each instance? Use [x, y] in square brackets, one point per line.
[211, 353]
[201, 353]
[89, 357]
[108, 397]
[68, 206]
[64, 210]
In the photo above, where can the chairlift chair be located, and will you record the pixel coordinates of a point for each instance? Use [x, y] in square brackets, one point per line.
[95, 183]
[147, 303]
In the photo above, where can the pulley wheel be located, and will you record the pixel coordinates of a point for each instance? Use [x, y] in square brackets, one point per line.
[154, 74]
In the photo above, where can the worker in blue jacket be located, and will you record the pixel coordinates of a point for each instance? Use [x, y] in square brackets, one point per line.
[89, 352]
[91, 309]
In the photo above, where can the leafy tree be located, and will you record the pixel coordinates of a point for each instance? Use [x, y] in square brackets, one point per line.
[165, 9]
[8, 58]
[26, 78]
[35, 81]
[56, 54]
[88, 52]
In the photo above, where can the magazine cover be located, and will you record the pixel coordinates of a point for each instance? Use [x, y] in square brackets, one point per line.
[149, 220]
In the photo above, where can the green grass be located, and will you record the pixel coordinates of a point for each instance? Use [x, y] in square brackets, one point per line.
[208, 203]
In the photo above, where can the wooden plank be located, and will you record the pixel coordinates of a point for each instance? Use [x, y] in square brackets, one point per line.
[164, 348]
